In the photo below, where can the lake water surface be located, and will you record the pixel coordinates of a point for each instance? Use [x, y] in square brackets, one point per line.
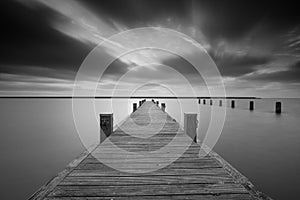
[39, 138]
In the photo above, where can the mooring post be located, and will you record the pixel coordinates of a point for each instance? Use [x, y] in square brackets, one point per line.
[251, 105]
[106, 126]
[134, 107]
[190, 125]
[199, 101]
[157, 103]
[220, 103]
[278, 107]
[204, 101]
[140, 103]
[163, 107]
[232, 104]
[211, 102]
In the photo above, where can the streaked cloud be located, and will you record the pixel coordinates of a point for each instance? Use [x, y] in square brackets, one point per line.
[252, 49]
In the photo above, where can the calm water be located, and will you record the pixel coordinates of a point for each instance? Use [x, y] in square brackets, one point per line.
[38, 139]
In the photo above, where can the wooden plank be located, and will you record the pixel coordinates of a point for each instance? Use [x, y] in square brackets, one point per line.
[144, 180]
[160, 172]
[82, 191]
[164, 197]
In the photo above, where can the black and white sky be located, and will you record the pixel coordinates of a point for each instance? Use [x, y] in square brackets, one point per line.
[255, 44]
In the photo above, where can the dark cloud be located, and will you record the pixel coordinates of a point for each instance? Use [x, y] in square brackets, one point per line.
[27, 39]
[136, 13]
[234, 65]
[30, 46]
[233, 19]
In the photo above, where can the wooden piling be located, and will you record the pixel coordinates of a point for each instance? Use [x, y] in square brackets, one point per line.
[204, 101]
[134, 107]
[163, 107]
[106, 126]
[190, 125]
[232, 104]
[220, 103]
[199, 101]
[251, 105]
[211, 102]
[278, 107]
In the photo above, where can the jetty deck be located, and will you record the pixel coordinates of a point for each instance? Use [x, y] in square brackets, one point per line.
[135, 163]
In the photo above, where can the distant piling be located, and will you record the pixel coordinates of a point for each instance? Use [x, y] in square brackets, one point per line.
[232, 104]
[199, 101]
[211, 102]
[163, 107]
[134, 107]
[278, 107]
[204, 101]
[157, 103]
[251, 105]
[220, 103]
[140, 103]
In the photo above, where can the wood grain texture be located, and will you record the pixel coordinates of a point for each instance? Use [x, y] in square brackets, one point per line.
[150, 157]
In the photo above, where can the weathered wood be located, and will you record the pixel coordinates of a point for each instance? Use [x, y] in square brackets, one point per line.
[251, 105]
[106, 126]
[278, 107]
[150, 138]
[134, 107]
[133, 190]
[160, 197]
[163, 107]
[191, 125]
[232, 104]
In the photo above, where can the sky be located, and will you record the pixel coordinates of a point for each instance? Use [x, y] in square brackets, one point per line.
[254, 44]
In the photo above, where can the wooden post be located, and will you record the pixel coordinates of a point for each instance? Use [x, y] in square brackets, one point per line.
[140, 103]
[163, 107]
[220, 103]
[204, 101]
[251, 105]
[134, 107]
[211, 102]
[232, 104]
[199, 101]
[278, 107]
[106, 126]
[157, 103]
[190, 125]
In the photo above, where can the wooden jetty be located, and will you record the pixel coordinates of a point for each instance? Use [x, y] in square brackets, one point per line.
[188, 176]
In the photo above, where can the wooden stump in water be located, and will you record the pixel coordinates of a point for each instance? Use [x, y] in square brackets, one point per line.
[278, 107]
[251, 105]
